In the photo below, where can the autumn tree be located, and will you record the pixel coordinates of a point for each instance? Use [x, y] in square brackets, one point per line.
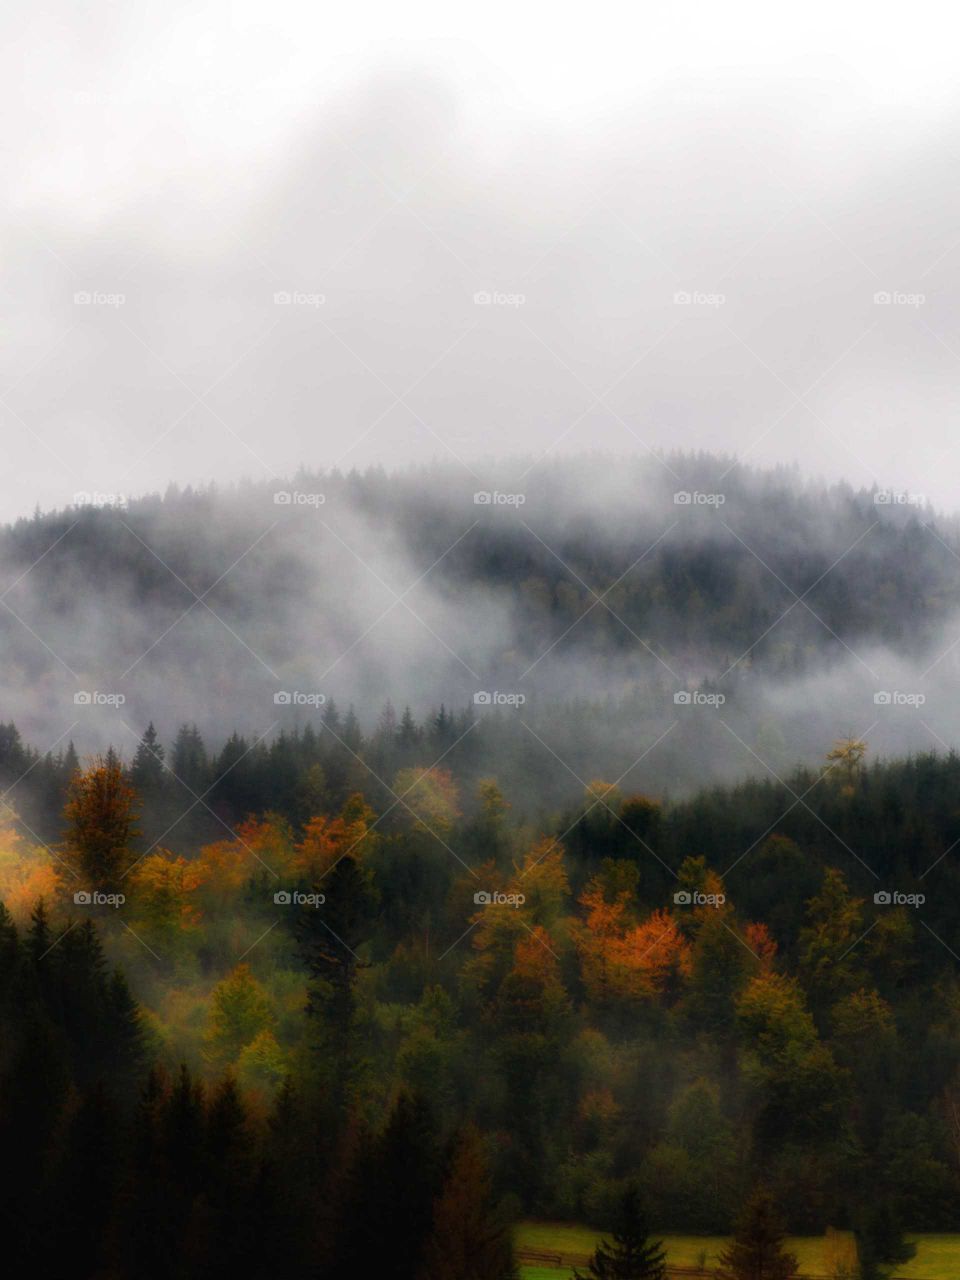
[757, 1251]
[100, 818]
[239, 1012]
[427, 798]
[624, 960]
[845, 761]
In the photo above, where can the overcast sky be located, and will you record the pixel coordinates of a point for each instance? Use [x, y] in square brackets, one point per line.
[181, 165]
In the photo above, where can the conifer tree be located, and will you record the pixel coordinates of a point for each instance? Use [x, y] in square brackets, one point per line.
[630, 1254]
[469, 1239]
[880, 1243]
[757, 1252]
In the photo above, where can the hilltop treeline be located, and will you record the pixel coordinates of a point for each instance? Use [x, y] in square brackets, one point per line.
[204, 603]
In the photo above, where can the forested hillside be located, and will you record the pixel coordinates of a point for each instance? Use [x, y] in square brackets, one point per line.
[754, 987]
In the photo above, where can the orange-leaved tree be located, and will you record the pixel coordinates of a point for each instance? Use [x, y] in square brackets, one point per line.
[100, 816]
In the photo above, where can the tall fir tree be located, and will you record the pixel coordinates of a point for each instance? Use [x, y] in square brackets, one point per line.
[757, 1252]
[630, 1254]
[470, 1238]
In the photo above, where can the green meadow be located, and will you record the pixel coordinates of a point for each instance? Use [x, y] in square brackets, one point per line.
[937, 1258]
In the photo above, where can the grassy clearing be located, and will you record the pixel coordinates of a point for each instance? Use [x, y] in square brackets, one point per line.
[938, 1256]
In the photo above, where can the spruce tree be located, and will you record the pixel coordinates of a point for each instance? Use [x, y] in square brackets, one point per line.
[631, 1254]
[880, 1243]
[470, 1239]
[387, 1218]
[757, 1251]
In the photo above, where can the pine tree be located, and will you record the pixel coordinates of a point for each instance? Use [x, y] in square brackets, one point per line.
[39, 939]
[631, 1255]
[80, 1209]
[190, 758]
[757, 1251]
[71, 763]
[329, 939]
[123, 1035]
[227, 1183]
[880, 1243]
[9, 950]
[408, 735]
[469, 1239]
[148, 768]
[389, 1204]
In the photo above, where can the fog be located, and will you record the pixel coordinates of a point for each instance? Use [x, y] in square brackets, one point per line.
[183, 167]
[594, 621]
[518, 256]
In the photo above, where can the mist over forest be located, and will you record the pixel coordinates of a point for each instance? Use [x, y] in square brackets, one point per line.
[583, 600]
